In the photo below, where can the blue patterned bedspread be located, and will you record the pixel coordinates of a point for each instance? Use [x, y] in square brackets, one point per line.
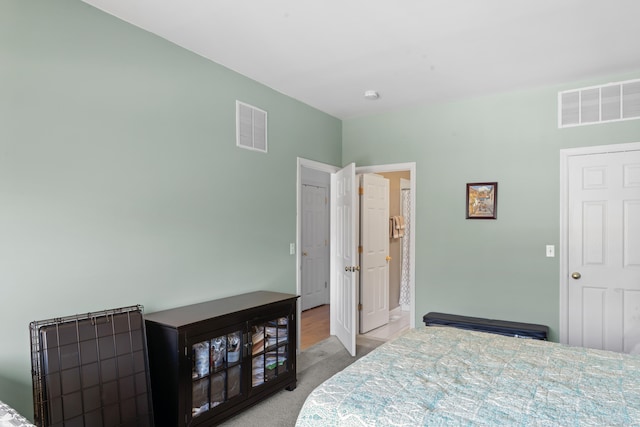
[434, 376]
[9, 417]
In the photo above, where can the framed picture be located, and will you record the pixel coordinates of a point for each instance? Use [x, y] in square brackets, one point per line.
[482, 200]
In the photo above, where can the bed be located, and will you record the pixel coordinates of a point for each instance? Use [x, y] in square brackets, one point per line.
[446, 376]
[9, 417]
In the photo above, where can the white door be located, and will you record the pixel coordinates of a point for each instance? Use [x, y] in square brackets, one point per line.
[604, 251]
[343, 300]
[374, 259]
[315, 249]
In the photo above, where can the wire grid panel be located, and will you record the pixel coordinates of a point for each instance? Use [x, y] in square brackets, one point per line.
[91, 370]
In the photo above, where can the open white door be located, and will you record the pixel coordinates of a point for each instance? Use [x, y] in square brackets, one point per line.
[374, 239]
[343, 300]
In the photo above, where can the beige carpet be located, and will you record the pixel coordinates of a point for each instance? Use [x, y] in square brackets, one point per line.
[315, 365]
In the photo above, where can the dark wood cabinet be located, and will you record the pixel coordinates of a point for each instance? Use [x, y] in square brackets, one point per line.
[211, 360]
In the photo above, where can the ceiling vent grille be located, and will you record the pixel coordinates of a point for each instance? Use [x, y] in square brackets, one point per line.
[251, 127]
[599, 104]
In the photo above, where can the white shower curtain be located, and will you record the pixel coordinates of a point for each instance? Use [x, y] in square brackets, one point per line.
[405, 294]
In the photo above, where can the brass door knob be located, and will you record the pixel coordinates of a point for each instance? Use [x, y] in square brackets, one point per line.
[388, 258]
[576, 275]
[304, 254]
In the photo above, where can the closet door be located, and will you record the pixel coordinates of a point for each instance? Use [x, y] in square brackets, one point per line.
[315, 247]
[604, 251]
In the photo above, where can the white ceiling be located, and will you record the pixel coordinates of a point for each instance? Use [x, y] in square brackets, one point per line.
[326, 53]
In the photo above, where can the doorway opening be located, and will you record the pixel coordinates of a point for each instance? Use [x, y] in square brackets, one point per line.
[312, 231]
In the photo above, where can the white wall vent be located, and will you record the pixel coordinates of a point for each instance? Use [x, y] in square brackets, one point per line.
[251, 127]
[599, 104]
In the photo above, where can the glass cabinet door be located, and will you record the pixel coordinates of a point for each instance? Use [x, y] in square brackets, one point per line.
[269, 350]
[216, 372]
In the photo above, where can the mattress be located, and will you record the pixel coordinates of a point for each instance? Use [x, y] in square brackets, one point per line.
[9, 417]
[447, 376]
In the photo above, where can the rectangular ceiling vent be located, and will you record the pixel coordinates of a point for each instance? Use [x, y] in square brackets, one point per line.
[251, 127]
[599, 104]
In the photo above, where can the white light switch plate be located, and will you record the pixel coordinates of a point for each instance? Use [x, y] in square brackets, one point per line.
[551, 251]
[292, 248]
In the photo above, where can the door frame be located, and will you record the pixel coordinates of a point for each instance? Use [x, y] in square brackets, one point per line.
[322, 167]
[565, 155]
[330, 169]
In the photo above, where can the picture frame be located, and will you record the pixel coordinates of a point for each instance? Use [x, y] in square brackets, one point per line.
[482, 200]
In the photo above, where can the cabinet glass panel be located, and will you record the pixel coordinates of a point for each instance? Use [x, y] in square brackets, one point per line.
[233, 381]
[216, 371]
[200, 397]
[218, 388]
[269, 350]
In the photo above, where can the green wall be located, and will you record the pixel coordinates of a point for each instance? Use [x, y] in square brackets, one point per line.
[496, 269]
[120, 181]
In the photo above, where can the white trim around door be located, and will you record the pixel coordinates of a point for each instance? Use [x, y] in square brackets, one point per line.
[400, 167]
[321, 167]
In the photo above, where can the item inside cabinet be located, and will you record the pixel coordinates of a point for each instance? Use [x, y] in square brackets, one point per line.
[233, 350]
[218, 350]
[201, 359]
[257, 371]
[269, 350]
[216, 379]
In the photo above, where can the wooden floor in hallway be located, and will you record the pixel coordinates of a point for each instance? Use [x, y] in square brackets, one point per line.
[314, 326]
